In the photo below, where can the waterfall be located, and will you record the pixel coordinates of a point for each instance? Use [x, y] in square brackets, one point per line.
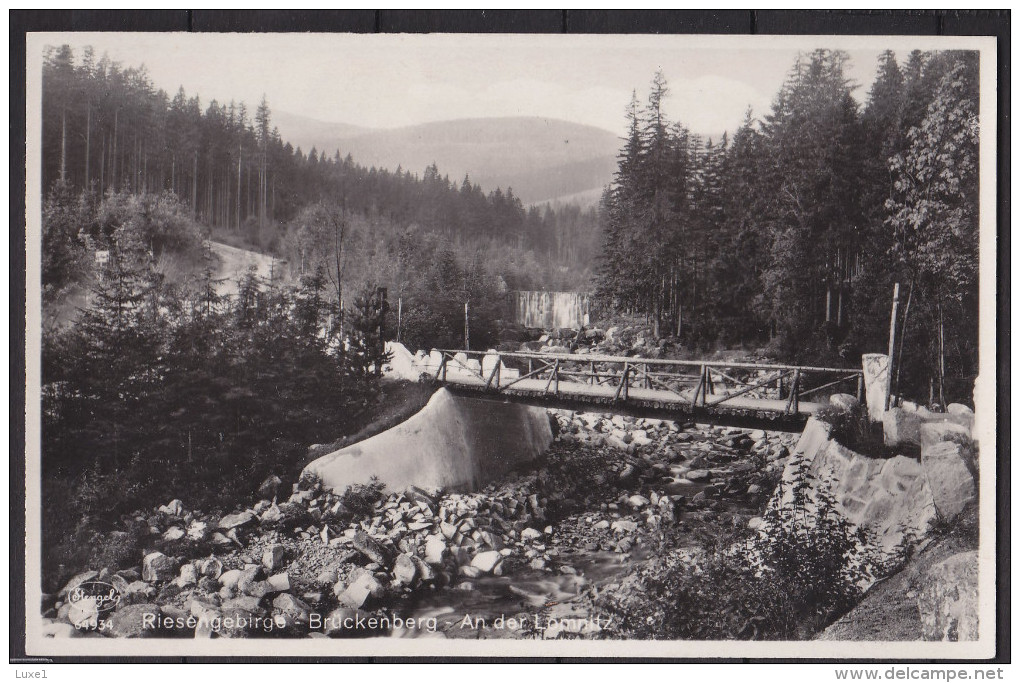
[550, 310]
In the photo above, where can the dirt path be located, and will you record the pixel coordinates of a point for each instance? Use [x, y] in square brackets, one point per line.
[234, 262]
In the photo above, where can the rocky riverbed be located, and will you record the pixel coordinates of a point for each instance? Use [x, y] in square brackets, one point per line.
[520, 559]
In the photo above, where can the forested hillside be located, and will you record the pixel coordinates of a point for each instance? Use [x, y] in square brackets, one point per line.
[108, 131]
[540, 158]
[792, 232]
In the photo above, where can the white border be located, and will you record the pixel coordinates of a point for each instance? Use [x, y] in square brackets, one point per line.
[985, 427]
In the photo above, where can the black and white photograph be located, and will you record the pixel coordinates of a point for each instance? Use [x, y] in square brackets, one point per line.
[538, 345]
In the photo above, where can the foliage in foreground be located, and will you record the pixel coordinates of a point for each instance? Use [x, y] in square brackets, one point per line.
[804, 568]
[162, 391]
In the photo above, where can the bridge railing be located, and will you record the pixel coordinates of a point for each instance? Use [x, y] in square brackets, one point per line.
[691, 382]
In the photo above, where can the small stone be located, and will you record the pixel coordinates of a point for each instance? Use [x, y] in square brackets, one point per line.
[754, 522]
[173, 533]
[637, 501]
[624, 526]
[272, 515]
[530, 534]
[175, 508]
[272, 558]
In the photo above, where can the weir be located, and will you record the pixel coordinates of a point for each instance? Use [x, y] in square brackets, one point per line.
[550, 310]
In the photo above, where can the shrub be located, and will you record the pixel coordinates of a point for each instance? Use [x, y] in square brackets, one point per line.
[361, 499]
[806, 567]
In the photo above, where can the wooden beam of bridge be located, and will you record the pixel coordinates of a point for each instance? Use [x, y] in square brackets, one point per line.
[771, 396]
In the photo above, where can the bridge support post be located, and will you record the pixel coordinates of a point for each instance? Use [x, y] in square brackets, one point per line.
[876, 383]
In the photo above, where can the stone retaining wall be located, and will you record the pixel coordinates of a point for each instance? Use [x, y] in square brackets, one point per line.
[907, 495]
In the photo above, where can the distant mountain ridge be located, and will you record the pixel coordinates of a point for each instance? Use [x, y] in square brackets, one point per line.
[540, 159]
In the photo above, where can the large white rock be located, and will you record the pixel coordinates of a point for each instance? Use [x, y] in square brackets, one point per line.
[452, 443]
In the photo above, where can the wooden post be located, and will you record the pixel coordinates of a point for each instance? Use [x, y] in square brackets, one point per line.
[892, 344]
[467, 328]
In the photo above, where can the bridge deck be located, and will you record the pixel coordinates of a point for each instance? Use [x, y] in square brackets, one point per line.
[713, 391]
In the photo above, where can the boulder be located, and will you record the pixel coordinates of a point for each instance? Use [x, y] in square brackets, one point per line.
[901, 426]
[76, 581]
[230, 578]
[698, 475]
[237, 622]
[272, 515]
[210, 567]
[486, 562]
[198, 531]
[370, 548]
[295, 612]
[187, 577]
[84, 613]
[934, 432]
[240, 519]
[425, 571]
[948, 603]
[279, 582]
[950, 480]
[360, 590]
[174, 533]
[405, 571]
[135, 621]
[435, 549]
[157, 568]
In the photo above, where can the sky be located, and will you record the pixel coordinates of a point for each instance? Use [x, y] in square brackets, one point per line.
[388, 81]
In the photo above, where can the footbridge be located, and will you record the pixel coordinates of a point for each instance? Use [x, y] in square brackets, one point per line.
[718, 392]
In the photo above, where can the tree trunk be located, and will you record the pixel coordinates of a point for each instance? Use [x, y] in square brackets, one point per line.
[113, 155]
[63, 145]
[88, 143]
[239, 188]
